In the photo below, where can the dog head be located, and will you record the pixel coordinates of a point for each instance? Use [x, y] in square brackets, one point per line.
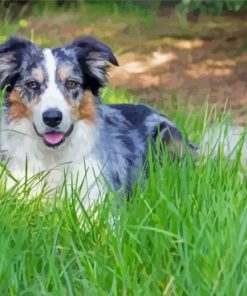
[53, 88]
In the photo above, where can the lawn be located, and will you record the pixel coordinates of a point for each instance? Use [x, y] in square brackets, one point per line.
[183, 232]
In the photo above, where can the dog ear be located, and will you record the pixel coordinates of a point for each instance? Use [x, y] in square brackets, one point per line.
[11, 59]
[94, 58]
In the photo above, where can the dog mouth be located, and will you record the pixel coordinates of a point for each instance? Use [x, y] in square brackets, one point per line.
[54, 138]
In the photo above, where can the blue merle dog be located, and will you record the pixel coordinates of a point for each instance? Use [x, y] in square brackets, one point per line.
[53, 120]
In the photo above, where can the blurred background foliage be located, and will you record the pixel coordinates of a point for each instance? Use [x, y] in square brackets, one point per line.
[187, 7]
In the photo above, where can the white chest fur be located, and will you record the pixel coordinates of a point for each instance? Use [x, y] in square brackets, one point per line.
[73, 163]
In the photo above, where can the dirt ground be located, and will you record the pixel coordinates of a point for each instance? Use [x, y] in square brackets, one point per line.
[204, 60]
[209, 66]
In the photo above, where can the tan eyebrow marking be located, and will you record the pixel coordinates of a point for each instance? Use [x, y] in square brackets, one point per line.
[38, 74]
[64, 71]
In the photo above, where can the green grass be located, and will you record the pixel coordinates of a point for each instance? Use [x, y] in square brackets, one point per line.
[184, 232]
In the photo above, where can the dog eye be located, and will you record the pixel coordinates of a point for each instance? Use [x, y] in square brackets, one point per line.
[32, 84]
[71, 84]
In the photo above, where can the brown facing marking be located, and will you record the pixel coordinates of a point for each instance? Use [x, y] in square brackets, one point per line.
[84, 110]
[179, 149]
[38, 74]
[176, 147]
[18, 109]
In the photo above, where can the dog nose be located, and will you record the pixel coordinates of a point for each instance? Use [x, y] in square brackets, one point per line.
[52, 117]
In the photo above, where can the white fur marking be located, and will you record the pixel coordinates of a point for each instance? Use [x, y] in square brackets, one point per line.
[52, 97]
[226, 137]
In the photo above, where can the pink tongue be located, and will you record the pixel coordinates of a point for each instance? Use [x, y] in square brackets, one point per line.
[53, 138]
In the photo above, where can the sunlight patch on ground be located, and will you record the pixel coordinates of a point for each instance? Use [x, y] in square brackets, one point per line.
[220, 63]
[135, 67]
[182, 44]
[203, 70]
[145, 63]
[162, 58]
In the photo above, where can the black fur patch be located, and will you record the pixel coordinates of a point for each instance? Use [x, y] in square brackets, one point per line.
[13, 54]
[89, 52]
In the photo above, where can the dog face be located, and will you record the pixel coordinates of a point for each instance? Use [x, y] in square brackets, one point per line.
[50, 87]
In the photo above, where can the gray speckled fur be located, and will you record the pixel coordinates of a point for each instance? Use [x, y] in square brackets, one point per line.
[124, 131]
